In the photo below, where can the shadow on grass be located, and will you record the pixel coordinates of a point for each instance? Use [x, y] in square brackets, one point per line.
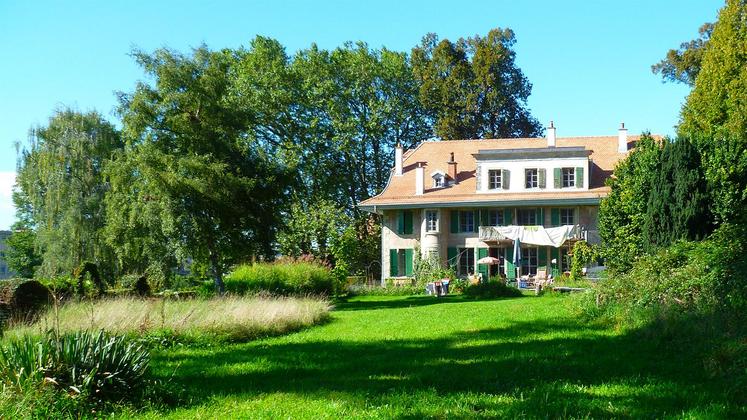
[392, 303]
[555, 368]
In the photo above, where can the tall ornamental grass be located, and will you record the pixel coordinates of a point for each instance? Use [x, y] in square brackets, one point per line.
[285, 278]
[232, 318]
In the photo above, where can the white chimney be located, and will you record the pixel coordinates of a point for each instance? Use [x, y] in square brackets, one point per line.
[622, 139]
[551, 135]
[419, 179]
[398, 160]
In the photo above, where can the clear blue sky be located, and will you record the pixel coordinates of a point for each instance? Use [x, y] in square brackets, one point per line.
[589, 61]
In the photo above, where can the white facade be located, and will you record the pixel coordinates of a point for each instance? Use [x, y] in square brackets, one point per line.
[517, 167]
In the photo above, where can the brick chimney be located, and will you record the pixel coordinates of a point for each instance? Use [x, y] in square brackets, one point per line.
[622, 139]
[551, 135]
[419, 179]
[453, 169]
[398, 160]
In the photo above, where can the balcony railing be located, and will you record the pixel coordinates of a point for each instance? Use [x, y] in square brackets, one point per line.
[579, 232]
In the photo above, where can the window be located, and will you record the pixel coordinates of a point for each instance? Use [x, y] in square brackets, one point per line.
[569, 177]
[494, 179]
[400, 262]
[567, 216]
[495, 218]
[438, 181]
[529, 261]
[466, 261]
[527, 217]
[466, 221]
[532, 178]
[500, 253]
[431, 221]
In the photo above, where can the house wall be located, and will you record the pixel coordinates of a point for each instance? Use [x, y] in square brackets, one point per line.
[516, 168]
[443, 239]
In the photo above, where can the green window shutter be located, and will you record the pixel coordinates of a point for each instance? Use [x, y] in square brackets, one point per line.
[475, 221]
[393, 261]
[454, 221]
[408, 262]
[555, 216]
[558, 174]
[400, 222]
[451, 254]
[508, 216]
[541, 216]
[509, 253]
[542, 175]
[542, 257]
[580, 177]
[407, 215]
[483, 268]
[505, 178]
[484, 217]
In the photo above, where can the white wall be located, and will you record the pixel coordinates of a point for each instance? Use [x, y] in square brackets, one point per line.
[516, 168]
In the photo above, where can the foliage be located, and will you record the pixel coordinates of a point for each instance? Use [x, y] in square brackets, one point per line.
[141, 287]
[94, 364]
[683, 65]
[390, 290]
[473, 88]
[583, 255]
[25, 298]
[430, 268]
[229, 318]
[687, 277]
[20, 254]
[61, 187]
[679, 204]
[491, 290]
[622, 214]
[714, 111]
[282, 278]
[215, 190]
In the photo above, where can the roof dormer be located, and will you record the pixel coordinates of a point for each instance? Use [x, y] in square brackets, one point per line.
[439, 179]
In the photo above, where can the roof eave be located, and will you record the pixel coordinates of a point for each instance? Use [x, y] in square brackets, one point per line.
[378, 208]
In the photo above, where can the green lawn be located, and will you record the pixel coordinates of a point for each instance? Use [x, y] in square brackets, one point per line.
[399, 357]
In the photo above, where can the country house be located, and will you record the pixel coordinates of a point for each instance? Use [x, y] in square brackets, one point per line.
[463, 200]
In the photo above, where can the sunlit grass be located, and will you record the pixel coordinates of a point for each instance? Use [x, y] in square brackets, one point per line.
[235, 318]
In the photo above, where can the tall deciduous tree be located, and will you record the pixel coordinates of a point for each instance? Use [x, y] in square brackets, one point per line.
[215, 188]
[473, 88]
[60, 177]
[683, 65]
[715, 113]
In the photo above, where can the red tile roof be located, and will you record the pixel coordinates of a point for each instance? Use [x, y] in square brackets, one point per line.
[434, 154]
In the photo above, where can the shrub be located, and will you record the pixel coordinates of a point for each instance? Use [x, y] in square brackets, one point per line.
[67, 287]
[687, 277]
[93, 364]
[491, 290]
[141, 287]
[286, 278]
[24, 298]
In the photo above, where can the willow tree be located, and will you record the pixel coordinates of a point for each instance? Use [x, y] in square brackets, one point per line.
[60, 177]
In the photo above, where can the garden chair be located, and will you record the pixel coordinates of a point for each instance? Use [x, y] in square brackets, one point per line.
[510, 273]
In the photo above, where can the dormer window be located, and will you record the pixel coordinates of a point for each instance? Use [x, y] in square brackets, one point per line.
[439, 179]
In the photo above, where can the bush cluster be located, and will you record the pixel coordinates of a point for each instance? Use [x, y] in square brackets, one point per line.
[284, 278]
[490, 290]
[687, 277]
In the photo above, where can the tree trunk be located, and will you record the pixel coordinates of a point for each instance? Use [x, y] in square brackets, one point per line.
[217, 273]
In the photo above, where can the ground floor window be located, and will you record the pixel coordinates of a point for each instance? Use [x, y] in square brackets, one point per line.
[500, 253]
[529, 260]
[466, 264]
[400, 262]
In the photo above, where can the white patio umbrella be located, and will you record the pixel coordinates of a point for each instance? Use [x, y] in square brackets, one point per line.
[489, 261]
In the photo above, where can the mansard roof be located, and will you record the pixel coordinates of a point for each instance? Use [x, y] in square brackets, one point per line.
[602, 152]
